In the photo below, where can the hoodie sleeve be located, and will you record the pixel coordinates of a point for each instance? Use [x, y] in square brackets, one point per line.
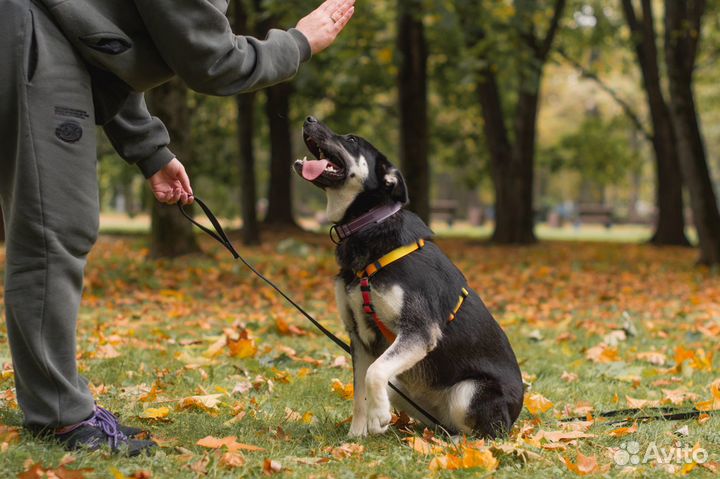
[195, 39]
[139, 138]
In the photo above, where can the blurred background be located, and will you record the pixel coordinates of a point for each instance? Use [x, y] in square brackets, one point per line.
[511, 120]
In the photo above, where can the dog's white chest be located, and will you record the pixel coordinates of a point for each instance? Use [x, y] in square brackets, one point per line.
[388, 304]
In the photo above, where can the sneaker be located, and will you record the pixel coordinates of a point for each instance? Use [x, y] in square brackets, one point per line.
[103, 428]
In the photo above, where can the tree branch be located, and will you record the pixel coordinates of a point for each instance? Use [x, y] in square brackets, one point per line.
[625, 106]
[547, 42]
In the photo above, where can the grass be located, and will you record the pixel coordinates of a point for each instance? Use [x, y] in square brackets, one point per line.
[146, 323]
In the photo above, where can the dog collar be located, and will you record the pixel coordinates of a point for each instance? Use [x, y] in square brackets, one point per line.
[374, 216]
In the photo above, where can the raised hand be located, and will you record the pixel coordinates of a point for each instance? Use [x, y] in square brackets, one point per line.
[325, 23]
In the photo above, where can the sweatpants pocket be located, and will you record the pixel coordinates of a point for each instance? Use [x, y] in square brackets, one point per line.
[31, 47]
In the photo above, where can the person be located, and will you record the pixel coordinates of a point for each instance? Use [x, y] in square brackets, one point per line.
[71, 64]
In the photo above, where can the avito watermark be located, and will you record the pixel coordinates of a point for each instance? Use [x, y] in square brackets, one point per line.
[631, 454]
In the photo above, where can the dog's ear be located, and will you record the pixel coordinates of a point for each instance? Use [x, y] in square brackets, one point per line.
[392, 180]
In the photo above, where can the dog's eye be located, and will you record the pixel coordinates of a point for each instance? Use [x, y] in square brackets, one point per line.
[352, 139]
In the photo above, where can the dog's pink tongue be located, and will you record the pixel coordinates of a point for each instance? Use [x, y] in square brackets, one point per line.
[313, 168]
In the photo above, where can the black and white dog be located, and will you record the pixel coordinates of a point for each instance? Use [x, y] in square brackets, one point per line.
[433, 336]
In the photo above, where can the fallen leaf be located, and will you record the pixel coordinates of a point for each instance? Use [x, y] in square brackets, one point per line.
[232, 460]
[583, 465]
[345, 391]
[208, 402]
[271, 467]
[624, 431]
[537, 404]
[157, 414]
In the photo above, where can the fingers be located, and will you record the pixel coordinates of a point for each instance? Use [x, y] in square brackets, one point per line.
[185, 182]
[341, 9]
[340, 24]
[329, 6]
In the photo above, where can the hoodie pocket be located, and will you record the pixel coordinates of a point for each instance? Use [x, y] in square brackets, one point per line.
[31, 47]
[109, 43]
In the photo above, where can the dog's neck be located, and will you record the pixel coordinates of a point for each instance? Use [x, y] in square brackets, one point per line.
[376, 240]
[374, 216]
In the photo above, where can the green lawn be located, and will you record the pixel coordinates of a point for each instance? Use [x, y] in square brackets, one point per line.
[153, 334]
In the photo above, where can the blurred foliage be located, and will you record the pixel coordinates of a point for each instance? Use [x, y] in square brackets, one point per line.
[352, 87]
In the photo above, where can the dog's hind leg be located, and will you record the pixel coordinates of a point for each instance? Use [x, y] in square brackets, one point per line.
[403, 353]
[361, 359]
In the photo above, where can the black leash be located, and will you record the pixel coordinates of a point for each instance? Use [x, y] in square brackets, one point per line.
[220, 236]
[667, 413]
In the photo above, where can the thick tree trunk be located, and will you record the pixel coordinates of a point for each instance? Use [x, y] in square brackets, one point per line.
[248, 194]
[246, 146]
[670, 227]
[682, 32]
[280, 210]
[171, 234]
[412, 86]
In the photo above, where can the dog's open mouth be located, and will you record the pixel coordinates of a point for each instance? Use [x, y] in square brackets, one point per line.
[326, 170]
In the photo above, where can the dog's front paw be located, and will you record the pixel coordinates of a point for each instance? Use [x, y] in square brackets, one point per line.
[358, 427]
[378, 420]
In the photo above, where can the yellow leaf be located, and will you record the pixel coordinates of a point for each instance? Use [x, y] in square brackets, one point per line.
[208, 403]
[473, 458]
[308, 418]
[345, 391]
[537, 404]
[159, 413]
[448, 462]
[242, 348]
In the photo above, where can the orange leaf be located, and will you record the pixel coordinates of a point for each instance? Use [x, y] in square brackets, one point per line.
[537, 404]
[271, 467]
[623, 431]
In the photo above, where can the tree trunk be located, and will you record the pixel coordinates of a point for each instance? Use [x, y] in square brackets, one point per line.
[2, 228]
[171, 234]
[412, 87]
[682, 33]
[246, 137]
[280, 208]
[670, 227]
[246, 142]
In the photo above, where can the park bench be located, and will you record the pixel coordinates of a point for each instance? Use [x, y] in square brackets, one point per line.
[445, 210]
[595, 214]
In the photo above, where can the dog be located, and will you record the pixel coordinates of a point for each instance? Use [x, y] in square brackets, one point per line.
[414, 320]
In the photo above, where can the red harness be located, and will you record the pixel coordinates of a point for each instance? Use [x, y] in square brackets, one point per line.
[373, 268]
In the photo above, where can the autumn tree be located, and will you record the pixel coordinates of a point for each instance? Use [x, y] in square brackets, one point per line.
[412, 81]
[171, 234]
[670, 227]
[683, 31]
[246, 104]
[511, 136]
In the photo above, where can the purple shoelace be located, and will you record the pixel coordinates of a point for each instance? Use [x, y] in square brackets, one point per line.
[109, 424]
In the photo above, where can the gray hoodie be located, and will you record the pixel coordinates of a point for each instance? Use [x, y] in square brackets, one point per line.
[134, 45]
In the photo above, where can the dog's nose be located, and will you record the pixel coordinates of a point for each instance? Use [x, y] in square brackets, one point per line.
[311, 119]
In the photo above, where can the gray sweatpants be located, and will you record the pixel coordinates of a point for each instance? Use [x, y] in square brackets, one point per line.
[49, 198]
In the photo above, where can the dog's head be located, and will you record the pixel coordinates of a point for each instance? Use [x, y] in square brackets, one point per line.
[350, 170]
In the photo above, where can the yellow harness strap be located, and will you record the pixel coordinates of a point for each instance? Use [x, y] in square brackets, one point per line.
[373, 268]
[463, 294]
[391, 257]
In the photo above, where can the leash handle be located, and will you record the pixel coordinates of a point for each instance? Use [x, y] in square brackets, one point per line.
[219, 233]
[222, 238]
